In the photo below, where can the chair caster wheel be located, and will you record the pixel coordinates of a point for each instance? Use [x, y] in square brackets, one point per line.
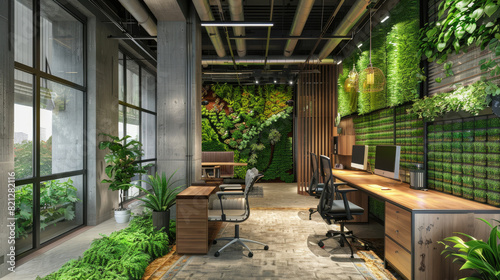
[266, 247]
[321, 244]
[217, 254]
[250, 254]
[352, 257]
[214, 242]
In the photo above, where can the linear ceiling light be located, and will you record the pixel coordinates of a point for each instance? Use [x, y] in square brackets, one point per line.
[236, 23]
[384, 19]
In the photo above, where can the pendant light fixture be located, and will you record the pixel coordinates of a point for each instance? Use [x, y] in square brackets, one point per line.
[351, 83]
[372, 78]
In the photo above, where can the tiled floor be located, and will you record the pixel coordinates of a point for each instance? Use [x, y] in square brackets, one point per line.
[280, 218]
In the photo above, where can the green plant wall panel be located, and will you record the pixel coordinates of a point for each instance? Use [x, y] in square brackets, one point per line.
[394, 45]
[410, 136]
[464, 158]
[255, 123]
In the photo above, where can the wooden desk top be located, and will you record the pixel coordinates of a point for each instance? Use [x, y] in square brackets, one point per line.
[194, 191]
[224, 163]
[401, 194]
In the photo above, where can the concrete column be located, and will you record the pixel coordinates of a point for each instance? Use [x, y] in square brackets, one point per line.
[102, 117]
[179, 97]
[6, 127]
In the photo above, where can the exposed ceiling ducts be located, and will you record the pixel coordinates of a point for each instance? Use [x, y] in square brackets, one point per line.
[299, 21]
[236, 11]
[205, 14]
[141, 15]
[272, 60]
[357, 10]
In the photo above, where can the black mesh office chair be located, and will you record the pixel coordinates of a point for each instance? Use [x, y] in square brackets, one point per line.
[315, 187]
[334, 206]
[233, 206]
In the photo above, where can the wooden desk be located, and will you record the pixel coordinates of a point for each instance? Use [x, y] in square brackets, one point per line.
[192, 220]
[216, 167]
[416, 220]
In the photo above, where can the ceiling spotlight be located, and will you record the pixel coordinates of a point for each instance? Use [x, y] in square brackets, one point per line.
[291, 82]
[256, 81]
[359, 46]
[340, 61]
[384, 19]
[275, 81]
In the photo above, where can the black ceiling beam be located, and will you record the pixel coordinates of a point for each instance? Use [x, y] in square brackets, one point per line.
[291, 37]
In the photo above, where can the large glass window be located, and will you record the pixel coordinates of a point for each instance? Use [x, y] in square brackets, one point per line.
[48, 122]
[137, 109]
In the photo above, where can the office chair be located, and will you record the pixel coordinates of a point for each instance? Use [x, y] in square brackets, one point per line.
[233, 206]
[237, 187]
[334, 206]
[315, 187]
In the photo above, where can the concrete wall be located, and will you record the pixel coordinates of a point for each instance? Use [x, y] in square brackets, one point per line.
[102, 117]
[6, 128]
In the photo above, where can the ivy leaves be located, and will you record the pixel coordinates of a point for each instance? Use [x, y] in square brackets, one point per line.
[461, 23]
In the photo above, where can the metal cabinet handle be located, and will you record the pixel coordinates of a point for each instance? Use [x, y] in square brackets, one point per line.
[397, 231]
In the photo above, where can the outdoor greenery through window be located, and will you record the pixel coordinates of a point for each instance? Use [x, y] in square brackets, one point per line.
[49, 153]
[137, 109]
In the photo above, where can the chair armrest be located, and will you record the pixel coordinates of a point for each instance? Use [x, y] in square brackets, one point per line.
[229, 187]
[346, 190]
[220, 195]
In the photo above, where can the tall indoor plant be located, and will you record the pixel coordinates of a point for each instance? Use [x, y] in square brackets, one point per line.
[122, 167]
[160, 199]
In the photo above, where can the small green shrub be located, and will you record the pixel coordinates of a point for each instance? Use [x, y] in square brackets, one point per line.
[446, 187]
[431, 174]
[468, 136]
[493, 147]
[457, 136]
[468, 169]
[457, 126]
[493, 173]
[494, 160]
[431, 156]
[481, 123]
[447, 147]
[438, 156]
[457, 157]
[479, 171]
[431, 184]
[468, 193]
[480, 159]
[480, 195]
[467, 148]
[456, 147]
[438, 147]
[493, 134]
[457, 180]
[447, 177]
[438, 166]
[493, 185]
[494, 122]
[493, 198]
[468, 181]
[447, 167]
[447, 136]
[456, 168]
[439, 186]
[448, 127]
[468, 125]
[480, 135]
[456, 190]
[479, 147]
[468, 158]
[479, 183]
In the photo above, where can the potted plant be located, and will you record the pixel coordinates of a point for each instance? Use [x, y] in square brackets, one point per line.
[468, 182]
[468, 193]
[468, 169]
[122, 167]
[482, 257]
[480, 195]
[160, 199]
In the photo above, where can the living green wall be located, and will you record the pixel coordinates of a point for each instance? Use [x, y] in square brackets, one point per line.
[255, 123]
[394, 48]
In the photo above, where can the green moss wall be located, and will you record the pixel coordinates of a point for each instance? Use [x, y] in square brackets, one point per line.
[255, 123]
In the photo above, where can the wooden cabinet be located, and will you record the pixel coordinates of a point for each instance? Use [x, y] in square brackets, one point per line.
[398, 225]
[398, 257]
[345, 144]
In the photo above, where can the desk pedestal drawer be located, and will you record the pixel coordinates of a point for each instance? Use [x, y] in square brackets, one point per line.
[398, 225]
[398, 257]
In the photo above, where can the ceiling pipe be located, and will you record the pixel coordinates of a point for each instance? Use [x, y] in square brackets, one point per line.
[257, 60]
[299, 21]
[353, 16]
[141, 15]
[203, 9]
[236, 11]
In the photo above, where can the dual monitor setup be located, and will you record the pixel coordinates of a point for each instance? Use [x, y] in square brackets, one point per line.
[386, 159]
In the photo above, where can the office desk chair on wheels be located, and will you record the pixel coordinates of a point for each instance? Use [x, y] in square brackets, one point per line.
[315, 187]
[233, 206]
[334, 206]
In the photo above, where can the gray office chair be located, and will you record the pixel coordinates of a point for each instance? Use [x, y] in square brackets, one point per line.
[233, 206]
[237, 187]
[315, 187]
[334, 206]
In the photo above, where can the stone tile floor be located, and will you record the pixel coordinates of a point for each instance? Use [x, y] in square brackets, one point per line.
[280, 218]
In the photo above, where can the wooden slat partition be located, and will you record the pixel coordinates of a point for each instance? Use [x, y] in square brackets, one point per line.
[316, 111]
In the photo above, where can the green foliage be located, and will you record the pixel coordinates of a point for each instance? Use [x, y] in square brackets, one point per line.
[57, 203]
[122, 162]
[482, 257]
[23, 158]
[125, 254]
[162, 196]
[255, 130]
[472, 99]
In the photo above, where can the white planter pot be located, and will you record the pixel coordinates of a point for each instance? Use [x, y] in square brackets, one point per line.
[122, 216]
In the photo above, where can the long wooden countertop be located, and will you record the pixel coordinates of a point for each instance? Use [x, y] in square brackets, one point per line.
[224, 163]
[401, 194]
[195, 191]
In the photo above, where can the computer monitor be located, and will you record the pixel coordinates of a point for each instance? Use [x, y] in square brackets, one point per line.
[359, 157]
[387, 161]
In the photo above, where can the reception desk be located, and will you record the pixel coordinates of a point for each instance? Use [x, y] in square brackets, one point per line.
[416, 220]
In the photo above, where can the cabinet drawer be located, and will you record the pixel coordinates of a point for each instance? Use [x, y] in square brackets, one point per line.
[398, 257]
[398, 225]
